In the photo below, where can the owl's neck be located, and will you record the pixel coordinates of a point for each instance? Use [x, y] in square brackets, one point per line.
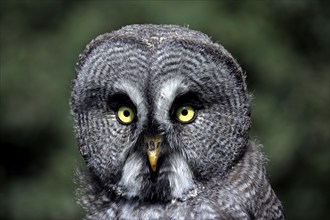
[92, 193]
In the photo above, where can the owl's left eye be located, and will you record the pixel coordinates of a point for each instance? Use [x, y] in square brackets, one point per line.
[125, 115]
[185, 114]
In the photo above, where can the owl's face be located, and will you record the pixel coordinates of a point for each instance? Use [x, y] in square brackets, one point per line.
[159, 114]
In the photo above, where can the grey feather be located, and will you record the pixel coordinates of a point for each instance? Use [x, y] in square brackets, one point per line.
[208, 168]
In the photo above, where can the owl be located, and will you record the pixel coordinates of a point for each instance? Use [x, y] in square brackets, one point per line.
[162, 119]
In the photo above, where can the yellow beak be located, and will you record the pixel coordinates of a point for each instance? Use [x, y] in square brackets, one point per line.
[153, 149]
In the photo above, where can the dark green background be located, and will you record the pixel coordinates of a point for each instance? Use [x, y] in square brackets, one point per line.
[282, 45]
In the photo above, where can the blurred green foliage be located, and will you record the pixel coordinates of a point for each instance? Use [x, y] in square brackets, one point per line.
[282, 45]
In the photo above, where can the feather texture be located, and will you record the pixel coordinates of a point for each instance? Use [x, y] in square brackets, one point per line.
[208, 168]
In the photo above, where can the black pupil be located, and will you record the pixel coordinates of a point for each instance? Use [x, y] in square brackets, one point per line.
[184, 112]
[126, 113]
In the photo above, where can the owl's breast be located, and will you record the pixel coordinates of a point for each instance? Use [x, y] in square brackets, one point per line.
[202, 206]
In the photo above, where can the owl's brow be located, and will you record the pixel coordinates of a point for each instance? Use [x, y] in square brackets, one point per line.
[135, 94]
[116, 100]
[126, 87]
[166, 96]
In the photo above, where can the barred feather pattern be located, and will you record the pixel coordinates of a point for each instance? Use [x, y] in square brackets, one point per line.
[208, 168]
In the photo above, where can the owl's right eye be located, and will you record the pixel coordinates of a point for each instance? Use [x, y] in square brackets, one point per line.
[125, 115]
[185, 114]
[185, 107]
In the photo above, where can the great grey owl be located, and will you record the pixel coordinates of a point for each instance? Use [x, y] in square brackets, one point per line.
[162, 119]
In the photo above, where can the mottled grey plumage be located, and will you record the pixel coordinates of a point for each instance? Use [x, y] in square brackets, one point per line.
[208, 168]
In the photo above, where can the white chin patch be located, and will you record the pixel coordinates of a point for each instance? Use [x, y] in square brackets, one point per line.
[129, 179]
[180, 177]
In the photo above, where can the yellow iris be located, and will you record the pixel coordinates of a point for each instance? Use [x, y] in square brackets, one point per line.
[125, 114]
[185, 114]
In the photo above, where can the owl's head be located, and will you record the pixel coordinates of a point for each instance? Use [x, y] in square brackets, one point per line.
[158, 110]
